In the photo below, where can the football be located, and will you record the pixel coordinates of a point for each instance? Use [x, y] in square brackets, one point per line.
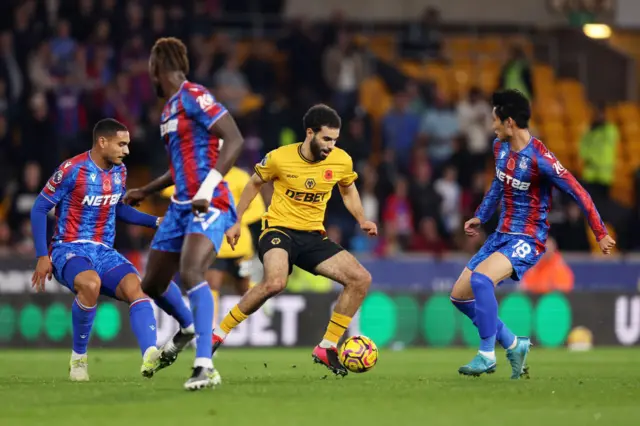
[358, 354]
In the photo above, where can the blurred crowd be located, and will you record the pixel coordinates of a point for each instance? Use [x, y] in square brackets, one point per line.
[64, 65]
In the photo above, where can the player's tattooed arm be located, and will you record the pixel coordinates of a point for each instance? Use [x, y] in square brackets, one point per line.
[353, 203]
[135, 196]
[227, 129]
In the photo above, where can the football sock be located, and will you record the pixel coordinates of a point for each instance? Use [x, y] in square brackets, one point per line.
[336, 328]
[231, 321]
[82, 321]
[504, 336]
[202, 307]
[143, 323]
[172, 303]
[486, 311]
[216, 299]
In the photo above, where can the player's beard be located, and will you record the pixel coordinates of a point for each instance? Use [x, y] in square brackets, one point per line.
[316, 150]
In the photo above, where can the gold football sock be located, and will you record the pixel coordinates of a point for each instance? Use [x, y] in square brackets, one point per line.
[216, 307]
[232, 319]
[336, 328]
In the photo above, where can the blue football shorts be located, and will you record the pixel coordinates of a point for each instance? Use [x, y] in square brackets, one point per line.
[521, 250]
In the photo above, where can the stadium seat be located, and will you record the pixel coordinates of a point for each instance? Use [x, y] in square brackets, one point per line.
[571, 91]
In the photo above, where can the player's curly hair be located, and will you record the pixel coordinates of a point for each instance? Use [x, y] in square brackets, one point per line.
[171, 54]
[513, 104]
[321, 115]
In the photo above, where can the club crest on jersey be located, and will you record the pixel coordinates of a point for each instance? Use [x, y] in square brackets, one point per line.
[106, 185]
[117, 179]
[310, 183]
[511, 164]
[523, 163]
[57, 178]
[328, 174]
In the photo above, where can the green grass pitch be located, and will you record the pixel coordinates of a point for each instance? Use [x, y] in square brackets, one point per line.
[283, 387]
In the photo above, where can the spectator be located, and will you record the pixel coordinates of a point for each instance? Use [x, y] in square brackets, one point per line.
[423, 39]
[398, 211]
[39, 139]
[425, 199]
[551, 273]
[474, 116]
[428, 240]
[10, 71]
[598, 148]
[5, 239]
[344, 70]
[399, 130]
[24, 198]
[516, 73]
[63, 49]
[231, 85]
[39, 68]
[417, 104]
[450, 191]
[367, 193]
[572, 235]
[260, 70]
[438, 129]
[356, 142]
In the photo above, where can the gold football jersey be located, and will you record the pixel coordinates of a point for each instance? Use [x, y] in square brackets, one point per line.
[302, 188]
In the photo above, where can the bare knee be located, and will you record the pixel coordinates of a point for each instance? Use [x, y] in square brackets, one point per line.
[462, 288]
[191, 277]
[360, 281]
[273, 286]
[130, 289]
[87, 288]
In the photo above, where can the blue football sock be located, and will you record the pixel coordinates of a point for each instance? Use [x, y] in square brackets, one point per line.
[504, 336]
[486, 310]
[201, 301]
[82, 321]
[172, 303]
[143, 323]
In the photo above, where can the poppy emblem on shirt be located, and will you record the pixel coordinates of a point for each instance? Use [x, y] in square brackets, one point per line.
[523, 164]
[106, 185]
[511, 164]
[328, 174]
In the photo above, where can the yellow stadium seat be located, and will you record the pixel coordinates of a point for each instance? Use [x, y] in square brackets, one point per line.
[628, 111]
[571, 91]
[459, 47]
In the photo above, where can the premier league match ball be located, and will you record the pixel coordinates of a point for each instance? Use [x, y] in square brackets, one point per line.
[358, 354]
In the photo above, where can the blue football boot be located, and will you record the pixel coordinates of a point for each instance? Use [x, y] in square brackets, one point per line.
[479, 365]
[518, 358]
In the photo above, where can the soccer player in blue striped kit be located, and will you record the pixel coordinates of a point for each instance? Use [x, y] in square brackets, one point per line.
[526, 172]
[86, 191]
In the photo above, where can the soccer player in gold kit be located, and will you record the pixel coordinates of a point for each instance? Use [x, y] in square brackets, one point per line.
[304, 175]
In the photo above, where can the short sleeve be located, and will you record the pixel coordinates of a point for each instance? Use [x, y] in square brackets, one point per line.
[60, 183]
[202, 107]
[266, 168]
[349, 175]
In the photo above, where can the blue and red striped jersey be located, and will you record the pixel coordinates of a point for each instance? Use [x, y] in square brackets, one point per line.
[86, 197]
[523, 183]
[193, 150]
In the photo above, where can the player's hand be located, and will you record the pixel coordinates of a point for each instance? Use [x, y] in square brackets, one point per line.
[43, 273]
[471, 226]
[233, 234]
[370, 228]
[200, 206]
[134, 197]
[606, 244]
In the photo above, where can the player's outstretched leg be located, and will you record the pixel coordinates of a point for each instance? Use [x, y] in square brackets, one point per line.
[463, 299]
[197, 254]
[143, 322]
[345, 269]
[276, 271]
[83, 311]
[161, 268]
